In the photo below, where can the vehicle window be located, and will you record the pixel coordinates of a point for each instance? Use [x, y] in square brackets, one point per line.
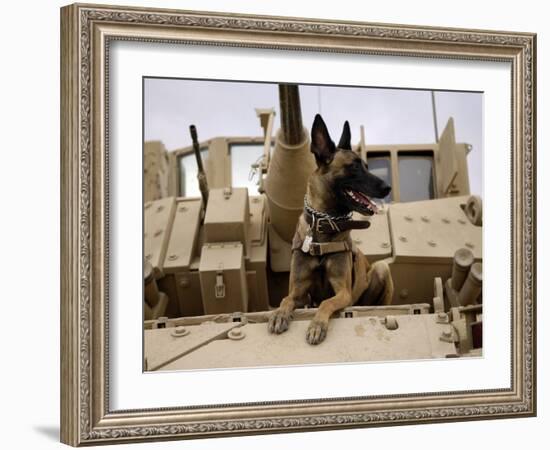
[189, 185]
[243, 156]
[380, 166]
[416, 181]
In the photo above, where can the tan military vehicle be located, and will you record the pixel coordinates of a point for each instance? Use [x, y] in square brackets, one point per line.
[216, 256]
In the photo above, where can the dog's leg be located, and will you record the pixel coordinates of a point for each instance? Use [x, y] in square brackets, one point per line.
[338, 270]
[379, 285]
[301, 275]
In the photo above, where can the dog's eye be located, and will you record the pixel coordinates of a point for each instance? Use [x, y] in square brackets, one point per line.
[358, 166]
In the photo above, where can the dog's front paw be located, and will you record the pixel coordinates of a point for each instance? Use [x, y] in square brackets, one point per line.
[316, 332]
[278, 322]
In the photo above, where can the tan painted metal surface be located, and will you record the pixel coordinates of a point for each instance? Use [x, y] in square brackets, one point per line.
[163, 345]
[183, 236]
[299, 314]
[432, 230]
[448, 159]
[157, 223]
[285, 184]
[227, 216]
[156, 172]
[222, 272]
[350, 340]
[375, 241]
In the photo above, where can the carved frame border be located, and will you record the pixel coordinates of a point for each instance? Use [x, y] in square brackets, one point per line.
[86, 31]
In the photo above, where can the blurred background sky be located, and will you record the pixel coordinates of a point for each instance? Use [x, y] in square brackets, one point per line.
[390, 116]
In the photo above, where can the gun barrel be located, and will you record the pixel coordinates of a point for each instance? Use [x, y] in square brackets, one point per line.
[201, 175]
[291, 114]
[290, 166]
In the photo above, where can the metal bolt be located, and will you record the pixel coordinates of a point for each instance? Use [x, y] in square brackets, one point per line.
[391, 323]
[469, 245]
[160, 208]
[402, 238]
[461, 221]
[236, 334]
[425, 219]
[432, 243]
[182, 208]
[385, 244]
[173, 257]
[147, 205]
[149, 256]
[408, 218]
[180, 331]
[445, 220]
[157, 233]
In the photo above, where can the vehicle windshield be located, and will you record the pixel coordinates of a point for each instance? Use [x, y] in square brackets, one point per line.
[416, 181]
[189, 186]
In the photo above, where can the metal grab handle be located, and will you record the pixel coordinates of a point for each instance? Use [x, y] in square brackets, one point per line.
[219, 289]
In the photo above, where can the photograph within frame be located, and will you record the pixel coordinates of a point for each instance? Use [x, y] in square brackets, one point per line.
[189, 325]
[87, 415]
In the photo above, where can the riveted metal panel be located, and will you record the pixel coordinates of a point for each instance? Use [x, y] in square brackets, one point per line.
[182, 243]
[157, 223]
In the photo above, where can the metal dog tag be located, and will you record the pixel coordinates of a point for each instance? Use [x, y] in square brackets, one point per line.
[307, 243]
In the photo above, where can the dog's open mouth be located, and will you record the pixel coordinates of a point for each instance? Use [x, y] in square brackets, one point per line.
[364, 203]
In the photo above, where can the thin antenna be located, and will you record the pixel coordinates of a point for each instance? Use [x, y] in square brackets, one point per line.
[435, 118]
[319, 100]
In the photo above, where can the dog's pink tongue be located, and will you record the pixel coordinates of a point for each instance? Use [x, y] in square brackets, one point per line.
[368, 202]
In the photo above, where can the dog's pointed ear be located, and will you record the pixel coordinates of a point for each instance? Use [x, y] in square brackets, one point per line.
[321, 144]
[345, 139]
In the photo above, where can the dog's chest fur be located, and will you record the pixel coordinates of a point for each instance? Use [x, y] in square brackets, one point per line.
[321, 288]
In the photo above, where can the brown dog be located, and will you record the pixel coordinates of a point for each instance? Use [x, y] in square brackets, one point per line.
[325, 268]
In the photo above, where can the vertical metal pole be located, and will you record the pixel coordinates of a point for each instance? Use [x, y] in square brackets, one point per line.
[362, 149]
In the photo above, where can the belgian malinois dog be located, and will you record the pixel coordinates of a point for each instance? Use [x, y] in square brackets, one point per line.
[326, 269]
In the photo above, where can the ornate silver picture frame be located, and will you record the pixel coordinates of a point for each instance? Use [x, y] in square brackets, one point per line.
[87, 414]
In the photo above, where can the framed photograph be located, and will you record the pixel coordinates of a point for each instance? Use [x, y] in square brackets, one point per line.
[278, 224]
